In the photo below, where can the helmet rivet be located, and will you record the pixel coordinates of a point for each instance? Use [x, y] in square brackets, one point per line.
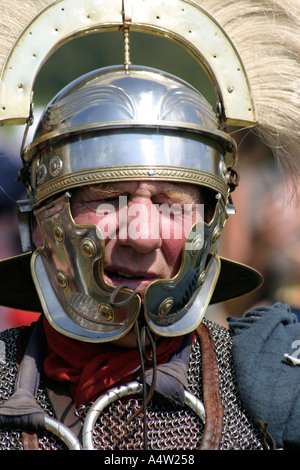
[59, 233]
[62, 279]
[165, 306]
[88, 248]
[55, 165]
[196, 244]
[106, 312]
[216, 234]
[201, 278]
[41, 173]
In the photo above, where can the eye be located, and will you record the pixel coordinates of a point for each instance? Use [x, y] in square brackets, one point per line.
[114, 200]
[171, 210]
[163, 200]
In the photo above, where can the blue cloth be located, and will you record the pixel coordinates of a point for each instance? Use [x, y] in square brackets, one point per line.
[268, 383]
[296, 311]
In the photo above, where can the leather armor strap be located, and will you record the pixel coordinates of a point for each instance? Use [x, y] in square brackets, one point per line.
[212, 400]
[30, 440]
[63, 406]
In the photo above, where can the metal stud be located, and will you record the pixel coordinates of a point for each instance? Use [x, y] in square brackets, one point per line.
[41, 173]
[55, 165]
[165, 306]
[196, 245]
[62, 279]
[59, 233]
[216, 234]
[106, 312]
[88, 248]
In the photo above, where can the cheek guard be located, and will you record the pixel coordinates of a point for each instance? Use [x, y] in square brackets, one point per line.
[68, 275]
[177, 306]
[77, 301]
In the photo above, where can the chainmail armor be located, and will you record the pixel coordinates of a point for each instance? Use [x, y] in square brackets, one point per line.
[171, 428]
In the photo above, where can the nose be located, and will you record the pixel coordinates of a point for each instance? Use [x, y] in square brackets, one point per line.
[139, 226]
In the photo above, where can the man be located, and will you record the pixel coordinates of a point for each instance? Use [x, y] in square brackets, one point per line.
[129, 177]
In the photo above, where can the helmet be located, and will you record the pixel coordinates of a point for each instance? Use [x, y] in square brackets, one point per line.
[114, 126]
[129, 124]
[110, 126]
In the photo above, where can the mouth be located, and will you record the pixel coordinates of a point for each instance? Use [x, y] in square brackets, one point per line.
[137, 281]
[120, 275]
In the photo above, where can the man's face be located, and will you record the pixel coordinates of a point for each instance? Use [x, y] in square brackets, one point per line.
[144, 225]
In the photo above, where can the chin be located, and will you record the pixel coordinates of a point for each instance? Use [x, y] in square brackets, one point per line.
[129, 340]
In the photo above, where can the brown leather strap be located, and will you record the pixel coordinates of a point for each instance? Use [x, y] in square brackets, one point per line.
[211, 394]
[30, 441]
[63, 406]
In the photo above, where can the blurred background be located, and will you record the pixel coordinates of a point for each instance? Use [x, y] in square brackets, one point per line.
[256, 235]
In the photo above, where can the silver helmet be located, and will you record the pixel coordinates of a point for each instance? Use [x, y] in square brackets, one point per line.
[110, 126]
[120, 124]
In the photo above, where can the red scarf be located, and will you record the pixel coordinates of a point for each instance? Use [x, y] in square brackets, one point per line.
[91, 369]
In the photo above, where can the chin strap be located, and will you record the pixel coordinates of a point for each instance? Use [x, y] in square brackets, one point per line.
[121, 303]
[141, 344]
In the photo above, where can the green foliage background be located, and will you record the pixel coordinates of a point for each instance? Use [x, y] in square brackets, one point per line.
[97, 50]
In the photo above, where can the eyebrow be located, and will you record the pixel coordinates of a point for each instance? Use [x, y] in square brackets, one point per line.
[107, 189]
[168, 190]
